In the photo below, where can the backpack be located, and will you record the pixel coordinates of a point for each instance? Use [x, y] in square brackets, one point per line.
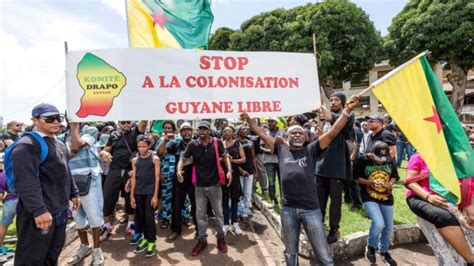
[8, 162]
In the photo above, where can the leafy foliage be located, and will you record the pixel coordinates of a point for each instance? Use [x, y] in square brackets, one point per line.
[347, 41]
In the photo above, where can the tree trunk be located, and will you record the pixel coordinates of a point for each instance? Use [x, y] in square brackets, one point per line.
[328, 87]
[458, 79]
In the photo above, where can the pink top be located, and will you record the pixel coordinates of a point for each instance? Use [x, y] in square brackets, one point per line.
[416, 163]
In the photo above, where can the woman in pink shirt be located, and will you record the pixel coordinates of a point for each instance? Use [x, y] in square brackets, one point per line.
[432, 207]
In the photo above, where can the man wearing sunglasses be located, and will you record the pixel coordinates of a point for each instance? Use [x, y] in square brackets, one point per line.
[12, 134]
[44, 190]
[120, 149]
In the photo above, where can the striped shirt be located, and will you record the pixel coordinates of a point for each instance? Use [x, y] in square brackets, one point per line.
[86, 160]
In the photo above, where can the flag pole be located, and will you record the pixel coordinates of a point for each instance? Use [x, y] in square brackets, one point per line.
[126, 22]
[391, 73]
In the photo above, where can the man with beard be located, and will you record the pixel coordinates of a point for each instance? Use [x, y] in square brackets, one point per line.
[299, 195]
[379, 132]
[181, 187]
[208, 188]
[120, 149]
[333, 168]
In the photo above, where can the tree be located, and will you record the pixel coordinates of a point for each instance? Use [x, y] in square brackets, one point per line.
[445, 29]
[346, 39]
[220, 40]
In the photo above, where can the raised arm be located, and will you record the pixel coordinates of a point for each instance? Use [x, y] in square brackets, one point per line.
[258, 130]
[142, 126]
[326, 138]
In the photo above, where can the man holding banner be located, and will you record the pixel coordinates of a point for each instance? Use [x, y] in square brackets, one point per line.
[299, 195]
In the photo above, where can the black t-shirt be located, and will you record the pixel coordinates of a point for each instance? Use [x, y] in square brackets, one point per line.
[298, 182]
[120, 153]
[335, 161]
[177, 148]
[204, 158]
[8, 136]
[383, 135]
[248, 165]
[366, 168]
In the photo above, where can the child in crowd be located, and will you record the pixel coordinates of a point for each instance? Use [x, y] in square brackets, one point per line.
[377, 173]
[144, 196]
[9, 209]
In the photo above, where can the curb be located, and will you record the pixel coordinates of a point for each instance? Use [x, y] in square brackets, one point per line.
[350, 246]
[71, 234]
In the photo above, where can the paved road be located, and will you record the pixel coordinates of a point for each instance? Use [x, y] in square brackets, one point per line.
[259, 245]
[243, 250]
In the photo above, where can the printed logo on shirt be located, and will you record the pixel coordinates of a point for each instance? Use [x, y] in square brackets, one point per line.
[378, 191]
[301, 162]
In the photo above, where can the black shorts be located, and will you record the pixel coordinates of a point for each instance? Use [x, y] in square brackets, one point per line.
[439, 217]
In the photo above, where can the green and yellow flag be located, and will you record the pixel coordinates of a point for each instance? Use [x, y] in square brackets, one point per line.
[416, 101]
[169, 24]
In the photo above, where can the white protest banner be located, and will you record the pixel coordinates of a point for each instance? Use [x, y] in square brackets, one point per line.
[149, 84]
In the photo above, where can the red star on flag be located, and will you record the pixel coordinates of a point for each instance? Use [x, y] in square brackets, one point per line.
[434, 119]
[160, 19]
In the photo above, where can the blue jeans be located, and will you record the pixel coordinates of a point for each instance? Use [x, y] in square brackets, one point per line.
[403, 147]
[272, 171]
[312, 220]
[246, 182]
[381, 227]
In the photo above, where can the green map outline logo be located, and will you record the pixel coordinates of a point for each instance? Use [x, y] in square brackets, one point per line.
[101, 84]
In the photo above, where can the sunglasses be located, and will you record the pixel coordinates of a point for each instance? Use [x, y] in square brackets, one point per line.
[51, 119]
[125, 122]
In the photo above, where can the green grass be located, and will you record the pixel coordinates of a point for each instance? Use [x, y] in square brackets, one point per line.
[358, 221]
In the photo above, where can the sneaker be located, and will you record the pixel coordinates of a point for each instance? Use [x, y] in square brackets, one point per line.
[221, 245]
[370, 254]
[226, 229]
[129, 230]
[172, 237]
[200, 246]
[80, 254]
[388, 259]
[150, 250]
[141, 247]
[97, 257]
[135, 239]
[333, 236]
[4, 250]
[105, 233]
[237, 229]
[187, 222]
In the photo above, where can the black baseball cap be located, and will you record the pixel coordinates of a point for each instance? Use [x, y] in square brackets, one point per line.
[44, 109]
[204, 124]
[375, 117]
[381, 152]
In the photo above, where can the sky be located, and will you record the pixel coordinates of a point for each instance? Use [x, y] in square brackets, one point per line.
[33, 32]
